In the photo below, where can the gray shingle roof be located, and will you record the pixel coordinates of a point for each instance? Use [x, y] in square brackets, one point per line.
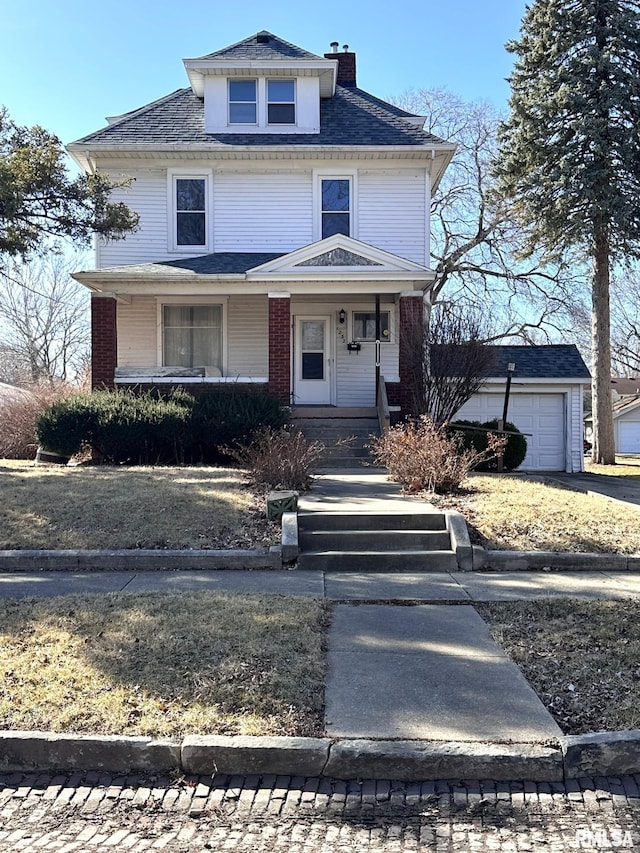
[553, 361]
[262, 45]
[218, 263]
[351, 117]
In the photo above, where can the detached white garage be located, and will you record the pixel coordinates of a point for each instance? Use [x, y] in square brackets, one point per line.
[545, 403]
[626, 424]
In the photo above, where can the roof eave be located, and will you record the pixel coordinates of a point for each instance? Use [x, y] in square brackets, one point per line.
[440, 154]
[198, 69]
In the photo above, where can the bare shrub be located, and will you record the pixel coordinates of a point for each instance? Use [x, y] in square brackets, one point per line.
[422, 457]
[18, 414]
[279, 459]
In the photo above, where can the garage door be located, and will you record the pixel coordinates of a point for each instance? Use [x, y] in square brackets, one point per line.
[629, 436]
[540, 415]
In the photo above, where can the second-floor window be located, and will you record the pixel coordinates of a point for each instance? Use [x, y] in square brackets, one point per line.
[191, 225]
[281, 102]
[243, 102]
[336, 206]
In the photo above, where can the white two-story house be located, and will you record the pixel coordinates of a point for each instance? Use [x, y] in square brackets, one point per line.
[284, 231]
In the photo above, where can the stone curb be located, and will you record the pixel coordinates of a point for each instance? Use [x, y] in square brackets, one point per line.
[570, 757]
[143, 559]
[35, 751]
[460, 542]
[515, 561]
[479, 559]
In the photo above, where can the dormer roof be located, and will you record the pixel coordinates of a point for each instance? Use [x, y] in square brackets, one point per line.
[262, 45]
[263, 54]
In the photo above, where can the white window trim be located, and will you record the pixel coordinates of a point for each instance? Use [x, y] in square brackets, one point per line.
[340, 175]
[239, 124]
[384, 309]
[267, 101]
[221, 301]
[202, 174]
[262, 106]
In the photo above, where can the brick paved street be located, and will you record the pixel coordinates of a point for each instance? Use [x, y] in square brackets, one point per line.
[78, 812]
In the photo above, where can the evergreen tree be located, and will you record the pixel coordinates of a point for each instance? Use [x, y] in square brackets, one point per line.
[40, 200]
[570, 153]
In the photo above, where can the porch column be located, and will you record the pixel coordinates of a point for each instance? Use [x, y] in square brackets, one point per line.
[104, 348]
[280, 345]
[411, 345]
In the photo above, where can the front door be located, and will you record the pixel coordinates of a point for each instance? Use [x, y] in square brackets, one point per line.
[312, 369]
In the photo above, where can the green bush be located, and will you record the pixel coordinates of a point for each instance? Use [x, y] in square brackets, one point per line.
[118, 426]
[231, 417]
[124, 426]
[476, 439]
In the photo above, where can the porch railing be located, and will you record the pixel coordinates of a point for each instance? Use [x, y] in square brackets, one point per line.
[382, 405]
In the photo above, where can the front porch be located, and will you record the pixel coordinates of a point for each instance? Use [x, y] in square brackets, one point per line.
[317, 326]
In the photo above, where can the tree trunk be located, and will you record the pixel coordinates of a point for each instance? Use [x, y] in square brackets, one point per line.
[603, 450]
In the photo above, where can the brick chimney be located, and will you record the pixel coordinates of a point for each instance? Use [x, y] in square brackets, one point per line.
[346, 64]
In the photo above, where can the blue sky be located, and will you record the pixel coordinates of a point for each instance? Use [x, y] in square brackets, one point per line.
[67, 65]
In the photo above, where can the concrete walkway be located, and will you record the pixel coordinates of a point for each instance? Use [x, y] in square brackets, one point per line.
[435, 588]
[358, 490]
[426, 673]
[622, 489]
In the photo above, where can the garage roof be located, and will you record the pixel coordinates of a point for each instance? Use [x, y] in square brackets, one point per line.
[552, 361]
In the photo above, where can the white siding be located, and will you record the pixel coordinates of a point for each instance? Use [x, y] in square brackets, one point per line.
[270, 211]
[575, 440]
[247, 324]
[147, 194]
[392, 212]
[307, 107]
[248, 331]
[137, 340]
[356, 373]
[262, 212]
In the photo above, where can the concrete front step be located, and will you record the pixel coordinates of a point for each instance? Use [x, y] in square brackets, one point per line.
[328, 412]
[337, 423]
[374, 540]
[345, 433]
[378, 561]
[352, 521]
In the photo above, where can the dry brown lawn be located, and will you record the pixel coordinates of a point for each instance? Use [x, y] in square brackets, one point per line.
[512, 513]
[581, 657]
[626, 466]
[163, 664]
[87, 507]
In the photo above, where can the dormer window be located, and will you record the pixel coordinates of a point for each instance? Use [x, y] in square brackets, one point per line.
[281, 102]
[243, 102]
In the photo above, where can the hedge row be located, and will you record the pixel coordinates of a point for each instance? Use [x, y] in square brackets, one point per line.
[146, 429]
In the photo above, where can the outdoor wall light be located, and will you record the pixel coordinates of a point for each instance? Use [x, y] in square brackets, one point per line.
[342, 316]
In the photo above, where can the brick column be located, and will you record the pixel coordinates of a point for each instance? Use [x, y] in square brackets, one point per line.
[104, 349]
[411, 344]
[280, 346]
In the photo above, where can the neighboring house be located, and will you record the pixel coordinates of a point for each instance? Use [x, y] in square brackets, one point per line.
[626, 424]
[545, 403]
[624, 386]
[284, 218]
